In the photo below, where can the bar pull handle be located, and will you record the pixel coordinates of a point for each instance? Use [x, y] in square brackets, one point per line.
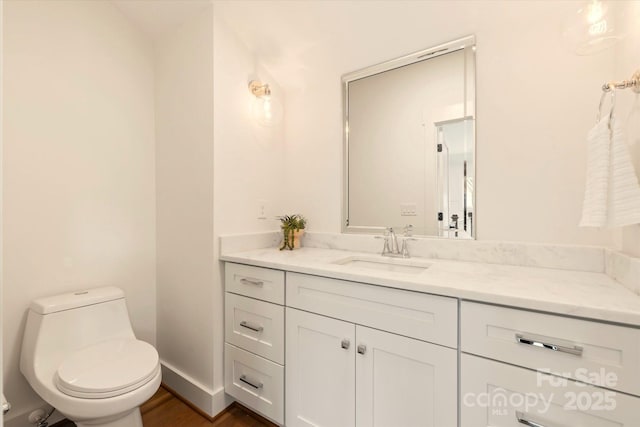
[576, 350]
[254, 282]
[345, 344]
[522, 420]
[252, 383]
[251, 326]
[362, 349]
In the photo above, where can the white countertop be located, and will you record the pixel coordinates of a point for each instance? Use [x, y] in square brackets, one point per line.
[575, 293]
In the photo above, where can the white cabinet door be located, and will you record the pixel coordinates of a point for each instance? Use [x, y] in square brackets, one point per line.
[320, 371]
[404, 382]
[495, 394]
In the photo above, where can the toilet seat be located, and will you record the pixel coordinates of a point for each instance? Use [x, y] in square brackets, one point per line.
[107, 369]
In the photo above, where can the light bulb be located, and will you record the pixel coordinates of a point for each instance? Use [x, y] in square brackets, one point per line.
[266, 106]
[595, 11]
[266, 110]
[591, 29]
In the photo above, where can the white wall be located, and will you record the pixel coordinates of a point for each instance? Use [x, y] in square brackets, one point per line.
[249, 163]
[78, 170]
[184, 180]
[628, 106]
[249, 158]
[215, 166]
[536, 101]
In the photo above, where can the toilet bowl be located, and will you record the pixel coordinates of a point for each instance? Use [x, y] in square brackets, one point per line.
[79, 353]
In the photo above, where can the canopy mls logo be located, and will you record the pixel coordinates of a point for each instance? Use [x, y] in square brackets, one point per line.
[502, 402]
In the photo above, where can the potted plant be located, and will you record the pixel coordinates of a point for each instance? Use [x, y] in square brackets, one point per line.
[292, 229]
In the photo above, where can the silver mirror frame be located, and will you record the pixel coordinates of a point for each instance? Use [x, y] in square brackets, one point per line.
[468, 42]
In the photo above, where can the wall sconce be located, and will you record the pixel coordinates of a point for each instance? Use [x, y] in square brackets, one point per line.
[592, 28]
[265, 109]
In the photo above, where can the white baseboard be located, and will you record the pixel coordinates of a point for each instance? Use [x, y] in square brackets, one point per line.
[211, 402]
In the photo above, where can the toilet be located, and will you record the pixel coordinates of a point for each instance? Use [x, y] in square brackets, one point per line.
[79, 353]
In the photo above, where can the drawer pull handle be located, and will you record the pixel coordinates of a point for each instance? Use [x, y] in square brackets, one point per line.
[522, 420]
[253, 282]
[251, 326]
[362, 349]
[576, 350]
[255, 384]
[345, 344]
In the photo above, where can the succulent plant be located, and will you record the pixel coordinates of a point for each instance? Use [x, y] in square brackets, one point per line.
[289, 225]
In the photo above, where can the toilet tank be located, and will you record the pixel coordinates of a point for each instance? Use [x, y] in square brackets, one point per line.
[75, 300]
[64, 323]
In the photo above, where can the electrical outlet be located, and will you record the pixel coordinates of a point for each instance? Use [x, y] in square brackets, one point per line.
[408, 209]
[262, 209]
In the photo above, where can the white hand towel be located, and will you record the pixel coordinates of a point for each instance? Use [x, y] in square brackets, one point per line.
[623, 204]
[612, 194]
[594, 207]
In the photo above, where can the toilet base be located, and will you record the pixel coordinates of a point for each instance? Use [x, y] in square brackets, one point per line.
[132, 419]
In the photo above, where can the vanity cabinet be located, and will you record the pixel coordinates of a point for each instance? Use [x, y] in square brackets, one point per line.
[495, 394]
[327, 352]
[536, 360]
[342, 372]
[254, 338]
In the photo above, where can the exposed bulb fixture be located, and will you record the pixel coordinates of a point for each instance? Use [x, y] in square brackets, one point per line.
[266, 110]
[591, 28]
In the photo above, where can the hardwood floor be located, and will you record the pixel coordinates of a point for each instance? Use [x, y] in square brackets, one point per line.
[166, 410]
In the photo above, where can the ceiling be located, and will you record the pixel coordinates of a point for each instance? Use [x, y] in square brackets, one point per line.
[157, 17]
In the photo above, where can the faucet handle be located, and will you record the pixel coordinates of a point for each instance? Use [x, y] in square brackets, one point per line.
[387, 232]
[407, 230]
[405, 249]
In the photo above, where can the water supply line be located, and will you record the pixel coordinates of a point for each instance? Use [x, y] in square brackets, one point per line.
[6, 406]
[42, 421]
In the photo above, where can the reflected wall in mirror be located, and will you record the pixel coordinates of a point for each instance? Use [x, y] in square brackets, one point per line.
[409, 156]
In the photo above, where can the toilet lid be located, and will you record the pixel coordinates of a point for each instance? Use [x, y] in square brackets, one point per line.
[108, 369]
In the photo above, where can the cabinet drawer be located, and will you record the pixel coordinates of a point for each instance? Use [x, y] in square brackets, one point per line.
[256, 326]
[499, 395]
[426, 317]
[255, 282]
[256, 382]
[589, 351]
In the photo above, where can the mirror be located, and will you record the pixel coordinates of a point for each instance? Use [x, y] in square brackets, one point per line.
[409, 129]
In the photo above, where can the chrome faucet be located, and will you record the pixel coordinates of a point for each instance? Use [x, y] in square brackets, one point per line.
[391, 247]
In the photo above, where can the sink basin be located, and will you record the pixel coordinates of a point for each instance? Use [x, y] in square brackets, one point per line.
[395, 265]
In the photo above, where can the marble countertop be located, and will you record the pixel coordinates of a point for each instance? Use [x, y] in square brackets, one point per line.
[574, 293]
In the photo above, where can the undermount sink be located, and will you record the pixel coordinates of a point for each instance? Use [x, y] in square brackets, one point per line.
[394, 265]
